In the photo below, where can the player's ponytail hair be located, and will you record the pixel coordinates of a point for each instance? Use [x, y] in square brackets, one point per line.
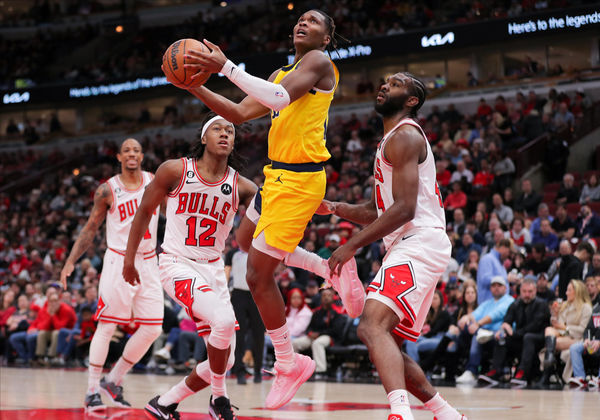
[418, 90]
[234, 160]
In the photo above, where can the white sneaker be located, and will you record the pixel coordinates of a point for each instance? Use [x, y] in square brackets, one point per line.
[466, 378]
[163, 353]
[594, 384]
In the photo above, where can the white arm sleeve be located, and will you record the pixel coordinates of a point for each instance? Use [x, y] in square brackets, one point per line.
[271, 95]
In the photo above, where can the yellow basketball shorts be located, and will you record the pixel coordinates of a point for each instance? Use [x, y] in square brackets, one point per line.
[289, 200]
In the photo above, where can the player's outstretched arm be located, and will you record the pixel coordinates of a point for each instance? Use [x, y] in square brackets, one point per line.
[102, 202]
[363, 214]
[166, 179]
[243, 235]
[403, 151]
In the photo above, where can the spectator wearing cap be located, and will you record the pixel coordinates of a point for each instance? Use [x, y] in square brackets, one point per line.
[461, 172]
[526, 315]
[546, 236]
[331, 245]
[563, 225]
[568, 192]
[588, 223]
[529, 199]
[572, 265]
[542, 213]
[504, 213]
[483, 322]
[491, 266]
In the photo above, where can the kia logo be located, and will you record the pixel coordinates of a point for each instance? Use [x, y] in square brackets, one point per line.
[16, 98]
[436, 40]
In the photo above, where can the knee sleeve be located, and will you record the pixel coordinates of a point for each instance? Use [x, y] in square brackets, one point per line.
[100, 342]
[222, 328]
[139, 343]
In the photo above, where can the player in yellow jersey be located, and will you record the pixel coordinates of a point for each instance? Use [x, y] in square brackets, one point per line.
[298, 97]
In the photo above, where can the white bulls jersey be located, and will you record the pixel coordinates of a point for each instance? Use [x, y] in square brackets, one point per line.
[430, 210]
[200, 214]
[122, 211]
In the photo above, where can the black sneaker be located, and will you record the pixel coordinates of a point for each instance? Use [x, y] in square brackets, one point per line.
[93, 402]
[157, 411]
[220, 409]
[114, 392]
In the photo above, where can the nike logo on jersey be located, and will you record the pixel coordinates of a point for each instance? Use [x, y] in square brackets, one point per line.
[408, 236]
[191, 182]
[279, 179]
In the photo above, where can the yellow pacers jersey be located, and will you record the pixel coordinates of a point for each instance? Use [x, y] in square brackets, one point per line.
[297, 133]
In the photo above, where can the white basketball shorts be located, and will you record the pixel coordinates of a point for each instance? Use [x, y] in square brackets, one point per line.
[408, 277]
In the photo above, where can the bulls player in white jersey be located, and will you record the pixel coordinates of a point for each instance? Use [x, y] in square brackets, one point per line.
[406, 211]
[203, 194]
[120, 303]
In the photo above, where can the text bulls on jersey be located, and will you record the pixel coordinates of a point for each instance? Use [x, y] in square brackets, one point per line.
[203, 203]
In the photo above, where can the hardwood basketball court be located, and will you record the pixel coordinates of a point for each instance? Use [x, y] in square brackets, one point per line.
[48, 394]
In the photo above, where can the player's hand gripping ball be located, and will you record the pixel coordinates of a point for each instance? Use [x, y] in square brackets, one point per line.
[173, 64]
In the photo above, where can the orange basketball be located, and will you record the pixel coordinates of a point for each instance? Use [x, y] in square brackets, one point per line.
[173, 61]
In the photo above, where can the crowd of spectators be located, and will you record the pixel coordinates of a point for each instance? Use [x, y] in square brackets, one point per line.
[250, 29]
[505, 243]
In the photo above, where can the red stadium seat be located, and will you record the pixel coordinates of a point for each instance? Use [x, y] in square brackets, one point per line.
[549, 197]
[573, 209]
[595, 206]
[552, 208]
[552, 187]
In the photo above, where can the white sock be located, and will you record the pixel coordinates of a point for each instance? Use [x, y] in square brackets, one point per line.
[94, 374]
[309, 261]
[399, 404]
[282, 344]
[217, 385]
[118, 371]
[441, 409]
[176, 394]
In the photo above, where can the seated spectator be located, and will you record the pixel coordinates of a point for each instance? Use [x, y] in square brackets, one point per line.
[455, 344]
[491, 266]
[538, 262]
[313, 297]
[504, 213]
[528, 315]
[51, 318]
[84, 339]
[592, 287]
[504, 171]
[468, 269]
[17, 322]
[482, 323]
[483, 178]
[457, 199]
[590, 191]
[519, 234]
[436, 324]
[546, 237]
[458, 222]
[571, 266]
[564, 119]
[543, 291]
[323, 329]
[529, 199]
[563, 225]
[568, 321]
[543, 213]
[467, 245]
[443, 175]
[461, 172]
[589, 345]
[568, 192]
[588, 223]
[595, 267]
[471, 229]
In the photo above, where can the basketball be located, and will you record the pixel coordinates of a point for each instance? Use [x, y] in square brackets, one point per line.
[173, 63]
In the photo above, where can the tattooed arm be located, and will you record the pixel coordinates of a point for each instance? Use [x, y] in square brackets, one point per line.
[102, 202]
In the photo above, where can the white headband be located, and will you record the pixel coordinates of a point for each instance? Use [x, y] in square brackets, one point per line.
[212, 120]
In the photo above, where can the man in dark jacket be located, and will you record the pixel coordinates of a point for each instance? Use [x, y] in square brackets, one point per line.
[525, 316]
[325, 325]
[571, 267]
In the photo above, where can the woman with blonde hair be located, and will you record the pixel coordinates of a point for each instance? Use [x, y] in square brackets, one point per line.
[568, 320]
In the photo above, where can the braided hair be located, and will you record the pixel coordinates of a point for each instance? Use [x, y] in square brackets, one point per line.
[330, 25]
[418, 90]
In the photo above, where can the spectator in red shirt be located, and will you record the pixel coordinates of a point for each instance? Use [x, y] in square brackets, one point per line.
[443, 174]
[53, 316]
[19, 264]
[483, 110]
[500, 105]
[483, 178]
[457, 199]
